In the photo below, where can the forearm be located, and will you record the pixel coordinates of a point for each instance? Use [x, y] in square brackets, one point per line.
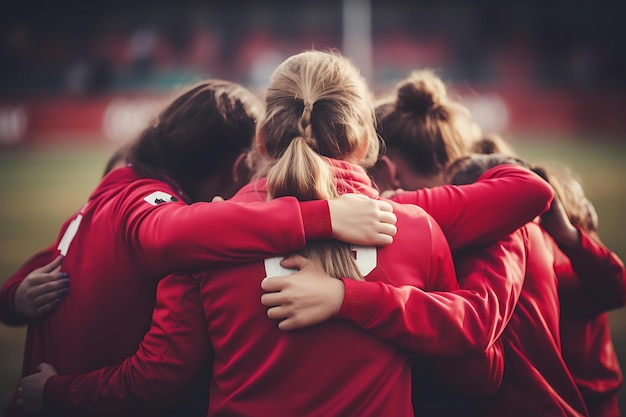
[465, 321]
[168, 361]
[503, 199]
[186, 237]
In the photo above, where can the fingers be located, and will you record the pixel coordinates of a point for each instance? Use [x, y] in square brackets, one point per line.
[46, 308]
[384, 205]
[381, 240]
[288, 325]
[277, 313]
[38, 277]
[388, 217]
[272, 299]
[272, 284]
[40, 294]
[295, 262]
[52, 265]
[49, 284]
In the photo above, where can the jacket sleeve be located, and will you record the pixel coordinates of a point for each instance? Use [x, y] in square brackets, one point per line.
[601, 278]
[8, 315]
[174, 236]
[169, 360]
[470, 215]
[458, 322]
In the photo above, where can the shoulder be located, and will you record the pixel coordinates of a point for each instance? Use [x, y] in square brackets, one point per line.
[252, 192]
[416, 224]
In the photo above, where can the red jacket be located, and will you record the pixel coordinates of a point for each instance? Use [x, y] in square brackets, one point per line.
[536, 381]
[132, 233]
[330, 369]
[139, 378]
[476, 316]
[592, 281]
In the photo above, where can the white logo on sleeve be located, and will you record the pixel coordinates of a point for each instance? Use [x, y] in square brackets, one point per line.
[159, 197]
[365, 257]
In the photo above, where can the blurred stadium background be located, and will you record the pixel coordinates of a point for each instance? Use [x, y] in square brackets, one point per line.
[79, 78]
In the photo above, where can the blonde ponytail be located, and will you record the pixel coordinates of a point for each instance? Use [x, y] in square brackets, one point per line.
[318, 107]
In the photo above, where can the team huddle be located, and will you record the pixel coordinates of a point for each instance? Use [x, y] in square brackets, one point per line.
[321, 252]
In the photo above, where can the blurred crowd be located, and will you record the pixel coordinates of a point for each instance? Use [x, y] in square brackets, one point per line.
[66, 48]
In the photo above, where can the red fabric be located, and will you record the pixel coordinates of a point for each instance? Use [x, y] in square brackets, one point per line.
[591, 282]
[125, 245]
[463, 322]
[492, 371]
[330, 369]
[168, 361]
[536, 381]
[501, 200]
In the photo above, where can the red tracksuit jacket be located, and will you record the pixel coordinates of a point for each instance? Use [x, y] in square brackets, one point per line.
[592, 281]
[332, 369]
[536, 379]
[144, 374]
[131, 234]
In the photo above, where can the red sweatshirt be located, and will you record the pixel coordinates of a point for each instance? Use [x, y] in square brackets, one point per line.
[130, 234]
[330, 369]
[592, 281]
[536, 381]
[476, 316]
[140, 378]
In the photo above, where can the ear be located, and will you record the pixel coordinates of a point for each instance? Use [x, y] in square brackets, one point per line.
[385, 174]
[259, 142]
[241, 172]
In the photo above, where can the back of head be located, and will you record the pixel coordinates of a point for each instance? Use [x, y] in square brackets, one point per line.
[492, 143]
[199, 134]
[423, 124]
[568, 189]
[467, 169]
[317, 107]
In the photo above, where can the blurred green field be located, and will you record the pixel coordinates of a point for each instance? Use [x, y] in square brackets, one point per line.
[42, 186]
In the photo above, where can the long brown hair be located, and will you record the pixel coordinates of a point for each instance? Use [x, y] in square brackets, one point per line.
[200, 133]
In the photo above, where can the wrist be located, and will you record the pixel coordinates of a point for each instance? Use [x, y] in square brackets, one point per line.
[316, 219]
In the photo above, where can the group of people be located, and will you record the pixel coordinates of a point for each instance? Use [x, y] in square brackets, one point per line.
[321, 253]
